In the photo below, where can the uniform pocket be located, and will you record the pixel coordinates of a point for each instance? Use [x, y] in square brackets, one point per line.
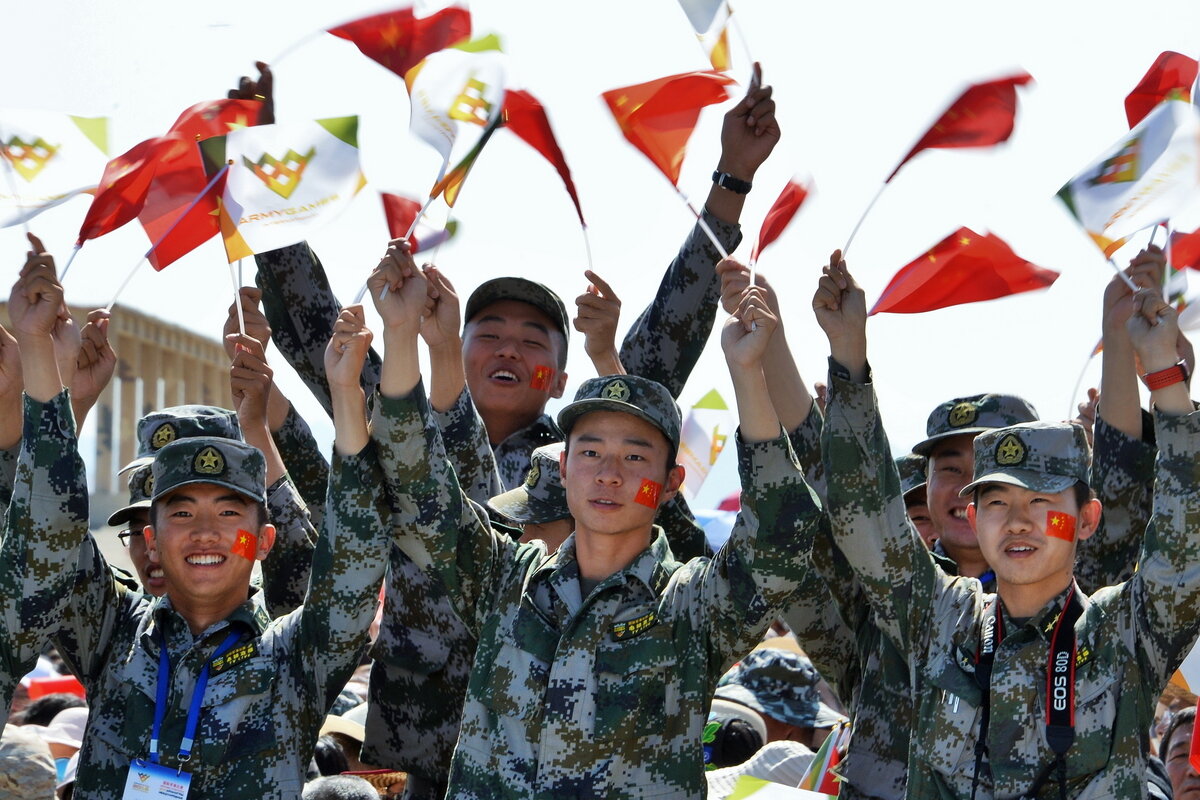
[951, 709]
[632, 677]
[238, 714]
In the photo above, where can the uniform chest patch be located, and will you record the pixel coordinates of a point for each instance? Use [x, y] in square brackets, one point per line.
[630, 628]
[243, 652]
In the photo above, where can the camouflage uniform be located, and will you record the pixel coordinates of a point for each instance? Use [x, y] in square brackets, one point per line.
[603, 696]
[1130, 638]
[8, 470]
[267, 698]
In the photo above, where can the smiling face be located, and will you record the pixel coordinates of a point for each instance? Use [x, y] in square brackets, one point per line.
[193, 536]
[917, 507]
[608, 458]
[150, 575]
[951, 464]
[502, 347]
[1012, 524]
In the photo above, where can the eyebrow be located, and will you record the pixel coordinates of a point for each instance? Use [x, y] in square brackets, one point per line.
[526, 323]
[180, 497]
[633, 440]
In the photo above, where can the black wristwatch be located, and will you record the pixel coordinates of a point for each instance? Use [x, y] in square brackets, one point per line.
[727, 181]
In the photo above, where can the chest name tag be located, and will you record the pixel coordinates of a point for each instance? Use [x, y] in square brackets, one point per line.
[234, 657]
[149, 781]
[632, 627]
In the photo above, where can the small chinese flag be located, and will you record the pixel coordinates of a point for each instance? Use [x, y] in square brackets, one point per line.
[983, 115]
[543, 378]
[648, 494]
[400, 39]
[526, 117]
[1171, 74]
[657, 117]
[245, 546]
[965, 267]
[126, 183]
[1060, 525]
[781, 213]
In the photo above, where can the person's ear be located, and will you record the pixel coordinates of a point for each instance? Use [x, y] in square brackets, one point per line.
[151, 544]
[1089, 519]
[266, 540]
[560, 384]
[971, 516]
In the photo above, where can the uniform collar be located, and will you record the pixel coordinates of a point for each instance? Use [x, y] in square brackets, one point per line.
[252, 615]
[652, 567]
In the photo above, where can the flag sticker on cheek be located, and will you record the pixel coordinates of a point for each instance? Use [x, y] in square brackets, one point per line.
[1060, 525]
[648, 494]
[543, 378]
[246, 545]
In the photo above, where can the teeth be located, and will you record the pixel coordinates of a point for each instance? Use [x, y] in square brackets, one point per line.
[504, 375]
[155, 572]
[205, 560]
[1020, 549]
[959, 513]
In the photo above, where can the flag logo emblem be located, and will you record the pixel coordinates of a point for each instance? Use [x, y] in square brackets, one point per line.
[281, 176]
[470, 105]
[648, 493]
[28, 158]
[963, 414]
[534, 475]
[163, 435]
[208, 461]
[616, 390]
[1122, 167]
[1010, 451]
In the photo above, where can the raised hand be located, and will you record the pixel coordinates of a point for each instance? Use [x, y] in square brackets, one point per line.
[748, 330]
[442, 326]
[841, 310]
[250, 379]
[749, 131]
[262, 89]
[94, 366]
[347, 349]
[598, 310]
[257, 327]
[406, 298]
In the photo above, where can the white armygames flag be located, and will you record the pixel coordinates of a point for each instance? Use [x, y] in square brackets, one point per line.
[284, 181]
[48, 159]
[705, 431]
[1150, 174]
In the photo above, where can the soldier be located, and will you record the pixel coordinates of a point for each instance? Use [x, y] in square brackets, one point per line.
[912, 485]
[200, 679]
[596, 665]
[539, 505]
[1037, 689]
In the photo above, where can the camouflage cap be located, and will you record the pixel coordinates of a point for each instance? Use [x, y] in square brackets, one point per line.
[541, 498]
[629, 394]
[141, 487]
[158, 429]
[912, 472]
[1040, 456]
[26, 766]
[523, 290]
[974, 414]
[210, 459]
[780, 684]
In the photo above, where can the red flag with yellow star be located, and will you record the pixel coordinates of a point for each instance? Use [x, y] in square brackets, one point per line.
[400, 39]
[965, 267]
[648, 493]
[1060, 525]
[1171, 75]
[526, 117]
[658, 117]
[246, 545]
[126, 182]
[543, 378]
[983, 115]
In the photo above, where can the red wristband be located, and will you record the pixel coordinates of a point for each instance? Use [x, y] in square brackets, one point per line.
[1176, 373]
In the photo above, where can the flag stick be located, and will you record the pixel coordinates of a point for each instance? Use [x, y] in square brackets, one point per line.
[70, 260]
[240, 281]
[733, 23]
[1153, 232]
[712, 237]
[1120, 272]
[108, 308]
[10, 176]
[362, 292]
[237, 297]
[857, 225]
[195, 201]
[1071, 410]
[587, 246]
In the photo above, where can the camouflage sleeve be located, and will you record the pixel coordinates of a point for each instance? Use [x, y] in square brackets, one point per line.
[748, 582]
[1122, 477]
[666, 340]
[304, 462]
[285, 571]
[347, 568]
[47, 519]
[468, 449]
[806, 442]
[1165, 591]
[441, 527]
[299, 304]
[684, 534]
[867, 515]
[8, 471]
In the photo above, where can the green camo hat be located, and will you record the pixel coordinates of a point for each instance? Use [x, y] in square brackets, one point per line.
[541, 498]
[780, 684]
[974, 414]
[1040, 456]
[629, 394]
[912, 472]
[141, 487]
[158, 429]
[524, 290]
[210, 459]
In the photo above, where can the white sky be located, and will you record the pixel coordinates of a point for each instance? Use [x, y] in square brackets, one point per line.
[856, 84]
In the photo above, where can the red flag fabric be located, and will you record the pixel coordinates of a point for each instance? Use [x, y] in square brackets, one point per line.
[526, 117]
[965, 267]
[731, 503]
[1170, 73]
[125, 183]
[216, 118]
[399, 39]
[984, 114]
[658, 117]
[1185, 250]
[543, 378]
[829, 782]
[781, 213]
[401, 211]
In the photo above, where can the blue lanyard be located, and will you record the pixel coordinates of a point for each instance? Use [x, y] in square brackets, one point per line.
[193, 717]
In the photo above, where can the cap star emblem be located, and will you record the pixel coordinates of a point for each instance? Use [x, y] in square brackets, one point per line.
[616, 390]
[1010, 451]
[163, 435]
[209, 461]
[963, 414]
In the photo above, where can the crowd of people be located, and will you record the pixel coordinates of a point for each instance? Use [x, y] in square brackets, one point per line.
[469, 598]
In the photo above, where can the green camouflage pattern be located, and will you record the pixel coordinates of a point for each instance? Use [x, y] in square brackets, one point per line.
[8, 471]
[912, 472]
[210, 459]
[540, 498]
[265, 704]
[159, 428]
[603, 696]
[523, 290]
[468, 448]
[45, 498]
[1040, 456]
[973, 414]
[305, 462]
[1131, 638]
[629, 394]
[780, 684]
[666, 340]
[285, 570]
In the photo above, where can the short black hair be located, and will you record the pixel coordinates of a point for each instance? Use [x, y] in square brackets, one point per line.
[43, 710]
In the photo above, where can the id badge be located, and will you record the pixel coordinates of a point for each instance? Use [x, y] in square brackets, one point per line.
[150, 781]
